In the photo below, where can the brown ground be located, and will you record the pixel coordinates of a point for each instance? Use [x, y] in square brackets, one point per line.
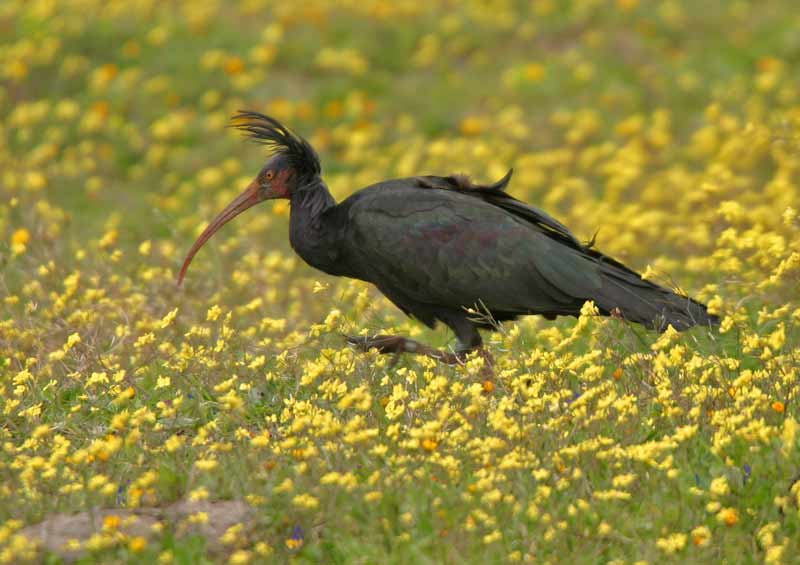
[55, 532]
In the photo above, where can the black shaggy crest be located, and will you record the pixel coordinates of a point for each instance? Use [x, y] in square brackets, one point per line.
[280, 140]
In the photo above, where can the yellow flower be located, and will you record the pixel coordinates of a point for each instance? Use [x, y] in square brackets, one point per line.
[260, 440]
[672, 543]
[97, 482]
[72, 340]
[173, 443]
[109, 239]
[20, 236]
[213, 313]
[472, 126]
[774, 554]
[232, 535]
[137, 544]
[120, 421]
[200, 493]
[167, 320]
[198, 518]
[206, 464]
[534, 72]
[719, 486]
[263, 549]
[344, 59]
[701, 536]
[293, 544]
[305, 501]
[728, 516]
[35, 181]
[429, 444]
[240, 557]
[124, 396]
[234, 66]
[627, 5]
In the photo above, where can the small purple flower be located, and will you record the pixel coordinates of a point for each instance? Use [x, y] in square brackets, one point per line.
[295, 542]
[697, 480]
[747, 471]
[122, 494]
[575, 396]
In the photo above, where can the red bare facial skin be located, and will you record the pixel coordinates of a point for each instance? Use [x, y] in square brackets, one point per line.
[280, 184]
[252, 195]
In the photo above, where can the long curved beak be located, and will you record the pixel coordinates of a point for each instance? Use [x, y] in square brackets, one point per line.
[251, 196]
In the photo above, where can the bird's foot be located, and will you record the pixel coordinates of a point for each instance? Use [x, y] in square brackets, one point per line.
[395, 344]
[383, 343]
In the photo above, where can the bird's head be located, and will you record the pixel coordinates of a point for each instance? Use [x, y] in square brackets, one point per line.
[294, 165]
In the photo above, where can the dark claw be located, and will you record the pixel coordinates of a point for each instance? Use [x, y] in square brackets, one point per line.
[397, 345]
[357, 341]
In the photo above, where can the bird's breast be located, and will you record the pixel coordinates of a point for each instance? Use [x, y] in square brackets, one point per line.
[319, 253]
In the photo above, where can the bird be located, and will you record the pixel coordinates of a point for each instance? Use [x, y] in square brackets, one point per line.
[443, 248]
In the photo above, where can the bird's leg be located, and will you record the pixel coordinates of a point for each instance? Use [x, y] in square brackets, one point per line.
[395, 344]
[466, 331]
[469, 340]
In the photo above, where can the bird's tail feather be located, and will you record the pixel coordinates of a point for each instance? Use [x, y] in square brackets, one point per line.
[638, 300]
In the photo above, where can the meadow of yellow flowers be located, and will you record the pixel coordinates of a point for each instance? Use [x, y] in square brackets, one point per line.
[228, 421]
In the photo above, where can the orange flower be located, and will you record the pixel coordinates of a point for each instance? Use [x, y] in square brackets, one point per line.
[111, 522]
[728, 516]
[429, 444]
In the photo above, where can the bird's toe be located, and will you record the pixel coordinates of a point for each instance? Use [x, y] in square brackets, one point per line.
[383, 343]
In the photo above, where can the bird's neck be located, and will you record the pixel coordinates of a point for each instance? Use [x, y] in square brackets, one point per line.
[311, 230]
[310, 202]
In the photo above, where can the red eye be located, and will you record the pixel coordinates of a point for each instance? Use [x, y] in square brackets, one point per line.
[269, 175]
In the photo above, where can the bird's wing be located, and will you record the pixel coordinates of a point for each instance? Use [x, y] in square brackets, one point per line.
[496, 195]
[450, 249]
[453, 248]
